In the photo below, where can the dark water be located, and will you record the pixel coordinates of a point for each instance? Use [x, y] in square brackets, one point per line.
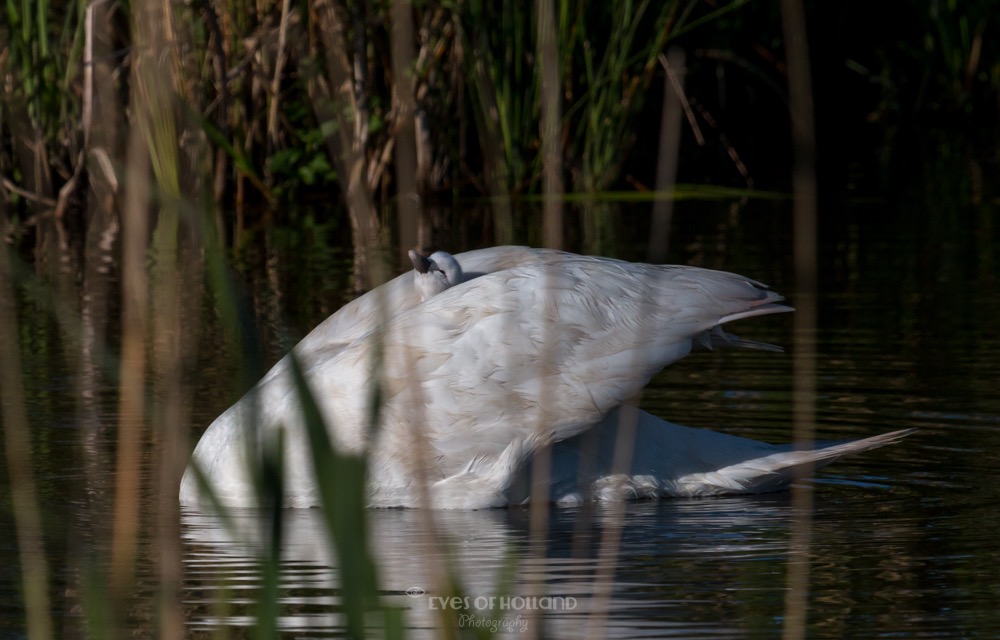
[904, 539]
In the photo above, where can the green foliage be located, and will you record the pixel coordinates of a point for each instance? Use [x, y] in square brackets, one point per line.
[476, 80]
[40, 47]
[304, 164]
[608, 54]
[943, 58]
[499, 40]
[612, 80]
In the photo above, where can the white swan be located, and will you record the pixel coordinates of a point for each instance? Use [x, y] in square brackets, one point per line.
[531, 347]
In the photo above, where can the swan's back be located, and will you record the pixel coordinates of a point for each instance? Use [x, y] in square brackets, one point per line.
[362, 314]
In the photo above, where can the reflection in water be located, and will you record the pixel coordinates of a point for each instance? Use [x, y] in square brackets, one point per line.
[661, 572]
[707, 568]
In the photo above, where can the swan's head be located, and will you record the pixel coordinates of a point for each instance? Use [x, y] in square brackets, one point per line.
[434, 273]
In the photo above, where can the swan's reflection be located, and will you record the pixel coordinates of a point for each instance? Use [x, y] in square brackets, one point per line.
[659, 566]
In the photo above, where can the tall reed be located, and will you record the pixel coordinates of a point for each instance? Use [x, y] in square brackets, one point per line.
[32, 555]
[800, 88]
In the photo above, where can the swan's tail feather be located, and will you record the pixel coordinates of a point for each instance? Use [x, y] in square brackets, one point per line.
[777, 470]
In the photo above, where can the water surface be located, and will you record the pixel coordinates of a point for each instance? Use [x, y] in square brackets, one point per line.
[904, 539]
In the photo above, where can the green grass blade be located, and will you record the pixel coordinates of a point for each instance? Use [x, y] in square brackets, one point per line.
[341, 482]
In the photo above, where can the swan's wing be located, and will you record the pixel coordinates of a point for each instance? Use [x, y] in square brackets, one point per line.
[369, 311]
[548, 348]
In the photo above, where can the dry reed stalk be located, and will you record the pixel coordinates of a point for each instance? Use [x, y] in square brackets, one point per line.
[87, 110]
[414, 228]
[152, 146]
[174, 284]
[174, 331]
[547, 51]
[547, 48]
[96, 292]
[734, 155]
[279, 65]
[102, 110]
[804, 327]
[17, 443]
[220, 65]
[66, 191]
[31, 196]
[101, 124]
[541, 474]
[614, 514]
[131, 403]
[669, 152]
[337, 101]
[176, 277]
[670, 147]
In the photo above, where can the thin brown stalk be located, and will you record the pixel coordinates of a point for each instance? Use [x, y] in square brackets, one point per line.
[614, 514]
[548, 56]
[87, 111]
[804, 340]
[173, 332]
[102, 122]
[677, 83]
[279, 66]
[670, 147]
[376, 168]
[105, 113]
[337, 101]
[220, 64]
[413, 230]
[973, 61]
[726, 144]
[17, 443]
[9, 185]
[67, 190]
[131, 403]
[173, 282]
[541, 468]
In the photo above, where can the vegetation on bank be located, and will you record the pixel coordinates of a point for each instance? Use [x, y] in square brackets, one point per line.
[243, 104]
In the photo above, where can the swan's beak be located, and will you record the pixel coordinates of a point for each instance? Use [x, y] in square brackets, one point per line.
[420, 263]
